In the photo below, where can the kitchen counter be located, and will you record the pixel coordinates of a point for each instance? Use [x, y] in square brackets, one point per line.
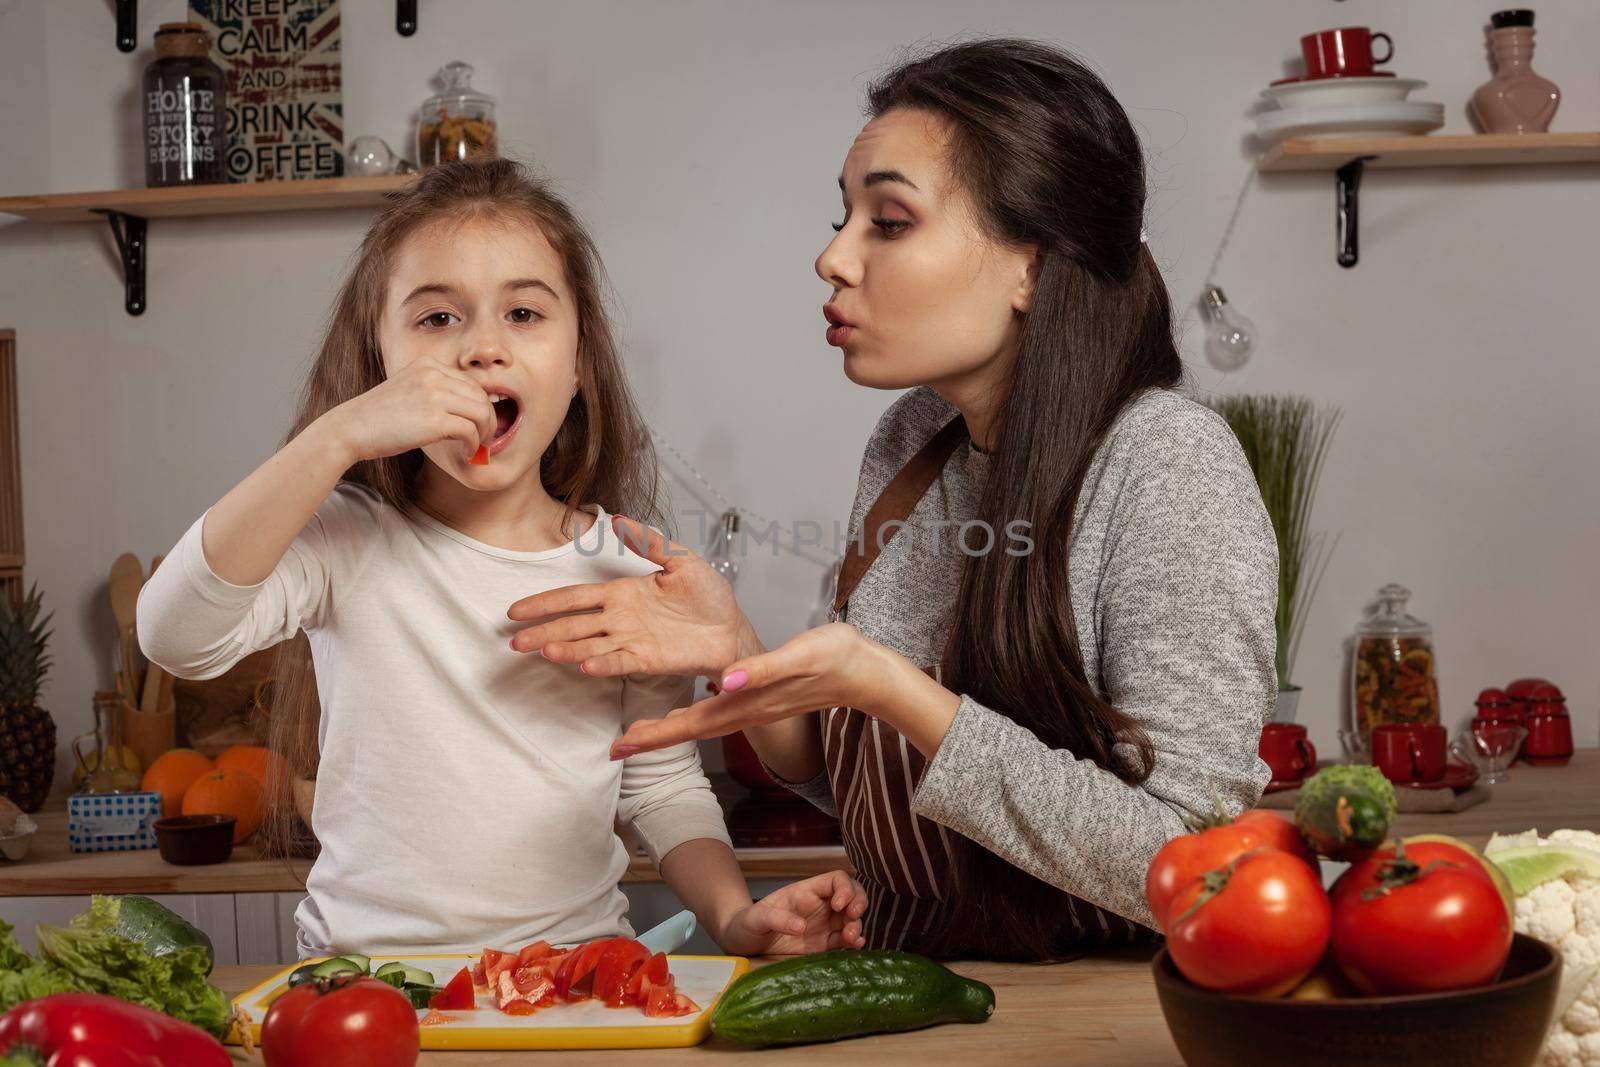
[1094, 1012]
[52, 869]
[1543, 797]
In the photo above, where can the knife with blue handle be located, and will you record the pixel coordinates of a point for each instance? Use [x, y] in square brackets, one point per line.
[669, 935]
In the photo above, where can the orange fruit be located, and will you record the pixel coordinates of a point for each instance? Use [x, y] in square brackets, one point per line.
[172, 774]
[227, 792]
[262, 764]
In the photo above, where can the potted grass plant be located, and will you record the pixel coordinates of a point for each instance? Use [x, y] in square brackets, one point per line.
[1285, 439]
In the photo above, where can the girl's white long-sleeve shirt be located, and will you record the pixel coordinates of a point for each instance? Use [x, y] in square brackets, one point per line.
[465, 795]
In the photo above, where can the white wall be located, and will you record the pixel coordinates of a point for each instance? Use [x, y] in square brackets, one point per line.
[702, 139]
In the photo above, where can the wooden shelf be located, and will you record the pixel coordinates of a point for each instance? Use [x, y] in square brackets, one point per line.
[186, 201]
[1470, 150]
[1348, 158]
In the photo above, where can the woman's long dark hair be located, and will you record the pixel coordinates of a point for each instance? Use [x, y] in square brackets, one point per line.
[1050, 160]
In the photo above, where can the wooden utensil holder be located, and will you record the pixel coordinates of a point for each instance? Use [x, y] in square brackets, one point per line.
[149, 733]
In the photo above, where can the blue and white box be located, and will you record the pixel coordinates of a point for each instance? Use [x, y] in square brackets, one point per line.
[112, 822]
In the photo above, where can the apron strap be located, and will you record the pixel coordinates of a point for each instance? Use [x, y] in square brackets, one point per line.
[894, 505]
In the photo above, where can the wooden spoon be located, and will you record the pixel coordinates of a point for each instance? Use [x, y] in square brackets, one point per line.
[127, 575]
[150, 698]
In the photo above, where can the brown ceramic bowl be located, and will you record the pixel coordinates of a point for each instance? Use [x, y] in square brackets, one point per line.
[1499, 1025]
[190, 840]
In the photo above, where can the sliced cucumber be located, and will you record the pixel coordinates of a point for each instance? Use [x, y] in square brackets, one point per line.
[421, 994]
[336, 966]
[394, 978]
[417, 976]
[363, 962]
[302, 975]
[393, 967]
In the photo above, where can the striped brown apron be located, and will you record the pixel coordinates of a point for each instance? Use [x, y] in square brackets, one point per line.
[902, 859]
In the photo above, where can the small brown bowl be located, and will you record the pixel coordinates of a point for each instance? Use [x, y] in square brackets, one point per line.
[190, 840]
[1499, 1025]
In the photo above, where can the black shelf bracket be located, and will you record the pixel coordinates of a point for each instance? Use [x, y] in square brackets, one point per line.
[127, 25]
[130, 232]
[405, 17]
[1347, 183]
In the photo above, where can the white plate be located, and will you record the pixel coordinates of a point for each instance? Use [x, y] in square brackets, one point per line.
[1371, 120]
[1337, 92]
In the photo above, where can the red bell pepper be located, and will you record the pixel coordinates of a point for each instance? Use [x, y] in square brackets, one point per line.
[92, 1030]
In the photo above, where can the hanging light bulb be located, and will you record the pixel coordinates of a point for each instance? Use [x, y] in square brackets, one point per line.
[1230, 337]
[719, 553]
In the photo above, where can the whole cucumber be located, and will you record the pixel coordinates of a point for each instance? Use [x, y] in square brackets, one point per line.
[158, 928]
[846, 993]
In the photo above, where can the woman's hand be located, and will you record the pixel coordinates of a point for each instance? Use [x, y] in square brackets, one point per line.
[817, 914]
[419, 404]
[682, 619]
[827, 667]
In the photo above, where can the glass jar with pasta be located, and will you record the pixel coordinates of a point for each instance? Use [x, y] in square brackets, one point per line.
[1393, 678]
[458, 123]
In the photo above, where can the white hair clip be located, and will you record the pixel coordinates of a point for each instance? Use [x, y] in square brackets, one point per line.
[1144, 238]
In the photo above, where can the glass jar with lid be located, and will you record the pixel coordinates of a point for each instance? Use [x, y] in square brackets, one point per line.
[1393, 676]
[458, 123]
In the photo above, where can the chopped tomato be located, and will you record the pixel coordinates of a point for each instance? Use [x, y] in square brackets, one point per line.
[434, 1018]
[480, 981]
[495, 961]
[617, 963]
[537, 951]
[574, 978]
[520, 1007]
[480, 457]
[651, 973]
[457, 996]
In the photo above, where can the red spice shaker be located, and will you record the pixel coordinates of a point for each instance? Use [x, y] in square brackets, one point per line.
[1549, 728]
[1519, 691]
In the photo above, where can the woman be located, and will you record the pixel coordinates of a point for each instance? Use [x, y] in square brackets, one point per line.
[1018, 711]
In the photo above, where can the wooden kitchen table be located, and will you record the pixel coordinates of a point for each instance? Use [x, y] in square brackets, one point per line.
[1100, 1011]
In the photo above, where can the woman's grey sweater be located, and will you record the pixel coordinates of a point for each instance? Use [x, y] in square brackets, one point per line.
[1174, 577]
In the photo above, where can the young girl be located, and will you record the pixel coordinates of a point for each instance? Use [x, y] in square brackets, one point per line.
[465, 796]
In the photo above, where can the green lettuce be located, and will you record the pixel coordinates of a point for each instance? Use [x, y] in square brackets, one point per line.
[88, 956]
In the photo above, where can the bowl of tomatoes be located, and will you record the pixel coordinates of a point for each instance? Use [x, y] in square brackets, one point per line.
[1408, 957]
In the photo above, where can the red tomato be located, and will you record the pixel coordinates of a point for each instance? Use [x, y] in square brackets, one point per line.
[457, 995]
[1183, 860]
[342, 1022]
[616, 966]
[1275, 831]
[1257, 926]
[1423, 918]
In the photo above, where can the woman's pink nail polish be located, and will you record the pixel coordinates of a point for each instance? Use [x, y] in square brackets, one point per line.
[735, 681]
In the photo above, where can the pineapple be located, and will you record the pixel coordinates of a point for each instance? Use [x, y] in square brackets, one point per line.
[27, 732]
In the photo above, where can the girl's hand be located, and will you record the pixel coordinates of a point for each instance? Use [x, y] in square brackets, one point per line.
[830, 666]
[814, 915]
[419, 404]
[682, 619]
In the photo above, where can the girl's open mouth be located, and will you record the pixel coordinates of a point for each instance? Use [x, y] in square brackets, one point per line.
[507, 418]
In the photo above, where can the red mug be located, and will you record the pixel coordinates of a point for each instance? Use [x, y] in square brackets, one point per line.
[1410, 752]
[1286, 750]
[1342, 53]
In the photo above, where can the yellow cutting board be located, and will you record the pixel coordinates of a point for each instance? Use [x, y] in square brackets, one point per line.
[583, 1025]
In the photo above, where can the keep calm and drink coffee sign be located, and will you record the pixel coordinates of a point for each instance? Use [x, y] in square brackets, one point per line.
[285, 100]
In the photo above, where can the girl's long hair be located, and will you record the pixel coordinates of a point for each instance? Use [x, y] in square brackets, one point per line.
[601, 454]
[1051, 161]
